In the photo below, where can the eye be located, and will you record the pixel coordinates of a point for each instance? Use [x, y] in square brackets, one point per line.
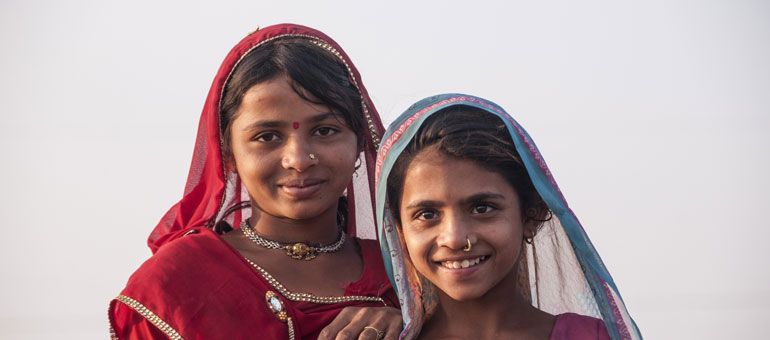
[325, 131]
[482, 208]
[426, 215]
[267, 137]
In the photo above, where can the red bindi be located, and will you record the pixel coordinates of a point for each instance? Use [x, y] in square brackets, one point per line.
[295, 125]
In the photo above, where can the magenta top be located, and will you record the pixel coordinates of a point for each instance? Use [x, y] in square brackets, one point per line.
[571, 326]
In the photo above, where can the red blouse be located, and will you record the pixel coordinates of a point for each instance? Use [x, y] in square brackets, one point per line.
[198, 287]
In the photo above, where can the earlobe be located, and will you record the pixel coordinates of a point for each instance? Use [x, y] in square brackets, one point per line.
[530, 230]
[358, 163]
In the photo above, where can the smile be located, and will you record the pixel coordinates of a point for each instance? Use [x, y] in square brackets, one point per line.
[464, 263]
[301, 189]
[300, 183]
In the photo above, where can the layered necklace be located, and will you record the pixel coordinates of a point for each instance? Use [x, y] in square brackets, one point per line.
[296, 250]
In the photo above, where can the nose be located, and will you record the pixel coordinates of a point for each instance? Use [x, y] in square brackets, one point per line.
[453, 231]
[297, 155]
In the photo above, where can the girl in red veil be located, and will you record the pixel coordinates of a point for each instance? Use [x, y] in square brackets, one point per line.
[274, 235]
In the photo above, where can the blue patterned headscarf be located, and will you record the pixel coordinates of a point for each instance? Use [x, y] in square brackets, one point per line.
[560, 271]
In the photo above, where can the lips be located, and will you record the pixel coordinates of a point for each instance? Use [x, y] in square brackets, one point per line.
[463, 263]
[301, 188]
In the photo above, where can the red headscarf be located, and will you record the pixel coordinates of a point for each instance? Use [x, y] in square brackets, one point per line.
[211, 188]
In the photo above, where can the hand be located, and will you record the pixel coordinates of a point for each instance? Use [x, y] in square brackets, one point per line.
[351, 322]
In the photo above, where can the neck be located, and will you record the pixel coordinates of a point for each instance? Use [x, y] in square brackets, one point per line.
[500, 310]
[320, 229]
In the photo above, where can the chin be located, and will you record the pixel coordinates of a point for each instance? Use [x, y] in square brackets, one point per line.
[462, 295]
[303, 215]
[299, 211]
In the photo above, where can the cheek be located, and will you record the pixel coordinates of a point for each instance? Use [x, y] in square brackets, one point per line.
[509, 239]
[348, 158]
[342, 167]
[344, 153]
[506, 232]
[246, 167]
[351, 154]
[240, 157]
[417, 247]
[351, 143]
[255, 174]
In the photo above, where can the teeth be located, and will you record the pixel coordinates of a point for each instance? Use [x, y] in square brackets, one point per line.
[463, 263]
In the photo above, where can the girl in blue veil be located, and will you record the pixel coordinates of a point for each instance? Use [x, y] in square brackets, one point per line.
[444, 245]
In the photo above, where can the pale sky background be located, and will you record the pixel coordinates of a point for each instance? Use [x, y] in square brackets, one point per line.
[652, 115]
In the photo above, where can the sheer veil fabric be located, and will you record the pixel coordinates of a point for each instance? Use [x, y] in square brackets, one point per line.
[211, 188]
[560, 271]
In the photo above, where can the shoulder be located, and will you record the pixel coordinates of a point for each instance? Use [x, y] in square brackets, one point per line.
[579, 327]
[187, 266]
[194, 277]
[186, 254]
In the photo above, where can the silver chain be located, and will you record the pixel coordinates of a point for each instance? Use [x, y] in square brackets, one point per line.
[270, 244]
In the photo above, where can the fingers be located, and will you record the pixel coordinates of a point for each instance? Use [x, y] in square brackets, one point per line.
[388, 322]
[371, 333]
[333, 330]
[394, 324]
[364, 323]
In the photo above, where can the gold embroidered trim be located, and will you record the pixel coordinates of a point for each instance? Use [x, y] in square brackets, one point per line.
[325, 45]
[305, 297]
[150, 316]
[291, 328]
[113, 335]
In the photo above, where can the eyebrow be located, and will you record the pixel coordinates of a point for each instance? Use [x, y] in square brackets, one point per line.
[483, 196]
[424, 204]
[324, 116]
[473, 198]
[261, 124]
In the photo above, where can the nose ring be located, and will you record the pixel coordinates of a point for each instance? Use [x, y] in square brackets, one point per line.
[468, 247]
[312, 156]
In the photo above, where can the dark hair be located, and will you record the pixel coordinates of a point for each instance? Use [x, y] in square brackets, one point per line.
[315, 75]
[469, 133]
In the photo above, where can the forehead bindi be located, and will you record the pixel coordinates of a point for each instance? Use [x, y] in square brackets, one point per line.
[274, 104]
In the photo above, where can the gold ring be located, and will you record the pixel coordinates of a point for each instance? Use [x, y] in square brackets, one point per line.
[380, 334]
[468, 247]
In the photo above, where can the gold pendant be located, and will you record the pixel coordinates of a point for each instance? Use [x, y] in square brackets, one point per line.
[301, 251]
